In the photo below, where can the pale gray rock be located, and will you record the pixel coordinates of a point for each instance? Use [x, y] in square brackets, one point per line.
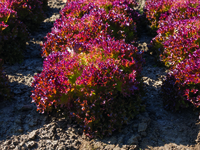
[22, 143]
[109, 147]
[55, 143]
[7, 142]
[32, 135]
[15, 141]
[12, 146]
[30, 144]
[42, 143]
[133, 147]
[117, 148]
[17, 148]
[84, 136]
[61, 147]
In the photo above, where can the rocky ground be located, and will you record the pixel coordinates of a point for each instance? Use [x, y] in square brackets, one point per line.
[22, 127]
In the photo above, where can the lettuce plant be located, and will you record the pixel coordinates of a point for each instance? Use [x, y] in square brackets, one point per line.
[182, 86]
[30, 12]
[72, 33]
[154, 9]
[3, 26]
[90, 84]
[13, 35]
[177, 40]
[177, 46]
[72, 28]
[159, 11]
[89, 68]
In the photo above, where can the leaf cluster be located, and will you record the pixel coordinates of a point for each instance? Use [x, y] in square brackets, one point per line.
[90, 72]
[30, 12]
[13, 35]
[177, 46]
[17, 17]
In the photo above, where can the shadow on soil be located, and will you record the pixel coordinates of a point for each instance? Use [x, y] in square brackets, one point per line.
[167, 128]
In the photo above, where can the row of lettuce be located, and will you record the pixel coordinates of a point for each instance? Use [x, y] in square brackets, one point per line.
[177, 46]
[92, 70]
[17, 19]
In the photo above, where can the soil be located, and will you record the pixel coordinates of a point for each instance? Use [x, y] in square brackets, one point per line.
[22, 127]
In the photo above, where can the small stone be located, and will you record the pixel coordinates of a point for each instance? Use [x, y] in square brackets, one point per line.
[76, 142]
[59, 130]
[12, 146]
[55, 143]
[69, 128]
[48, 142]
[15, 141]
[61, 147]
[124, 146]
[73, 130]
[32, 135]
[62, 140]
[84, 136]
[7, 142]
[42, 143]
[67, 142]
[53, 129]
[133, 147]
[166, 146]
[108, 147]
[117, 148]
[23, 148]
[22, 143]
[31, 144]
[17, 148]
[142, 127]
